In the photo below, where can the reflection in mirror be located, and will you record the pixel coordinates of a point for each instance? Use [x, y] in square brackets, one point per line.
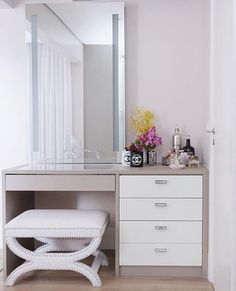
[76, 82]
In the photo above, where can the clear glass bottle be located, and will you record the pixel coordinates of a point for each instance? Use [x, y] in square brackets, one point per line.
[175, 159]
[177, 140]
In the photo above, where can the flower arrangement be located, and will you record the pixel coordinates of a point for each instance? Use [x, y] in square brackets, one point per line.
[141, 120]
[146, 135]
[149, 139]
[135, 146]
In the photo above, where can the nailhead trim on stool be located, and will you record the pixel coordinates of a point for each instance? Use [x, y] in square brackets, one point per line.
[80, 238]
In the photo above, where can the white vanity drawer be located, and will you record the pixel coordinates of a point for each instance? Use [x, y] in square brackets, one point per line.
[160, 209]
[161, 186]
[161, 232]
[60, 182]
[160, 254]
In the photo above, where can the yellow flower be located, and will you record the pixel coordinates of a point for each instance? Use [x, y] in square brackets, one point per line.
[141, 120]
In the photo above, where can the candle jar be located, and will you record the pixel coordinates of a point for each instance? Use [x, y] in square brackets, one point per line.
[136, 159]
[126, 158]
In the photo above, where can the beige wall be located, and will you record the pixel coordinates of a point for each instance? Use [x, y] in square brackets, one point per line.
[167, 66]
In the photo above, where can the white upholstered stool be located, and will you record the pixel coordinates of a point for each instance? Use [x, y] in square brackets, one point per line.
[68, 236]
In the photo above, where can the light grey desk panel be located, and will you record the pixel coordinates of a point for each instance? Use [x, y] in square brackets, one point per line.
[60, 183]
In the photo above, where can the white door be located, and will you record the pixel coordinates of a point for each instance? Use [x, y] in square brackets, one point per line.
[222, 147]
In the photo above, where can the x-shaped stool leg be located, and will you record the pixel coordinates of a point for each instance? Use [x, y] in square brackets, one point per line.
[41, 259]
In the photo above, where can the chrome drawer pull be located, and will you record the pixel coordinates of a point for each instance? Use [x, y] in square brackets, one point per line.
[160, 227]
[161, 204]
[161, 250]
[162, 182]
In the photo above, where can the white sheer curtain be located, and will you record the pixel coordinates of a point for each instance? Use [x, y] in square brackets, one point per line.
[54, 102]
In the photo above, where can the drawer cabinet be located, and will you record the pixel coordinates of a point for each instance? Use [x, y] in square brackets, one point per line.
[161, 186]
[161, 220]
[160, 209]
[161, 232]
[161, 254]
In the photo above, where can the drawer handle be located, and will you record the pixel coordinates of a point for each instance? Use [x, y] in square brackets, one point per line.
[160, 227]
[162, 182]
[160, 250]
[161, 204]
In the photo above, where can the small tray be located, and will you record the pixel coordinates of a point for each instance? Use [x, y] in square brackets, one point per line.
[174, 167]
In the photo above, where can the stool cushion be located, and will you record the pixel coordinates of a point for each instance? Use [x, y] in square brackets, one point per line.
[61, 223]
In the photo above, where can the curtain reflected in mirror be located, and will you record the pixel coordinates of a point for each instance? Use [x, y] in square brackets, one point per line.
[75, 82]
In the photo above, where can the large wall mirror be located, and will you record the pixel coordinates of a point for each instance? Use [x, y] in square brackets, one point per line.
[76, 81]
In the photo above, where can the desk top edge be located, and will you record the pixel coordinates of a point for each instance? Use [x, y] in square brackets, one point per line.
[80, 169]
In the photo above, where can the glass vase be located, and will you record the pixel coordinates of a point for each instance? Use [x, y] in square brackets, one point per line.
[151, 157]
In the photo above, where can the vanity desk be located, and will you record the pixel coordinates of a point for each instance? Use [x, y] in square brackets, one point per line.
[160, 214]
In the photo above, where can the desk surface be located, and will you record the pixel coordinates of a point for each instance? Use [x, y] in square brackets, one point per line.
[100, 169]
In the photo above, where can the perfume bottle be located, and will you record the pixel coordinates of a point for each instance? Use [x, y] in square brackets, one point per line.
[188, 148]
[177, 140]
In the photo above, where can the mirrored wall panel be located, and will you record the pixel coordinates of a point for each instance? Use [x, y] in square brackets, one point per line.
[76, 82]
